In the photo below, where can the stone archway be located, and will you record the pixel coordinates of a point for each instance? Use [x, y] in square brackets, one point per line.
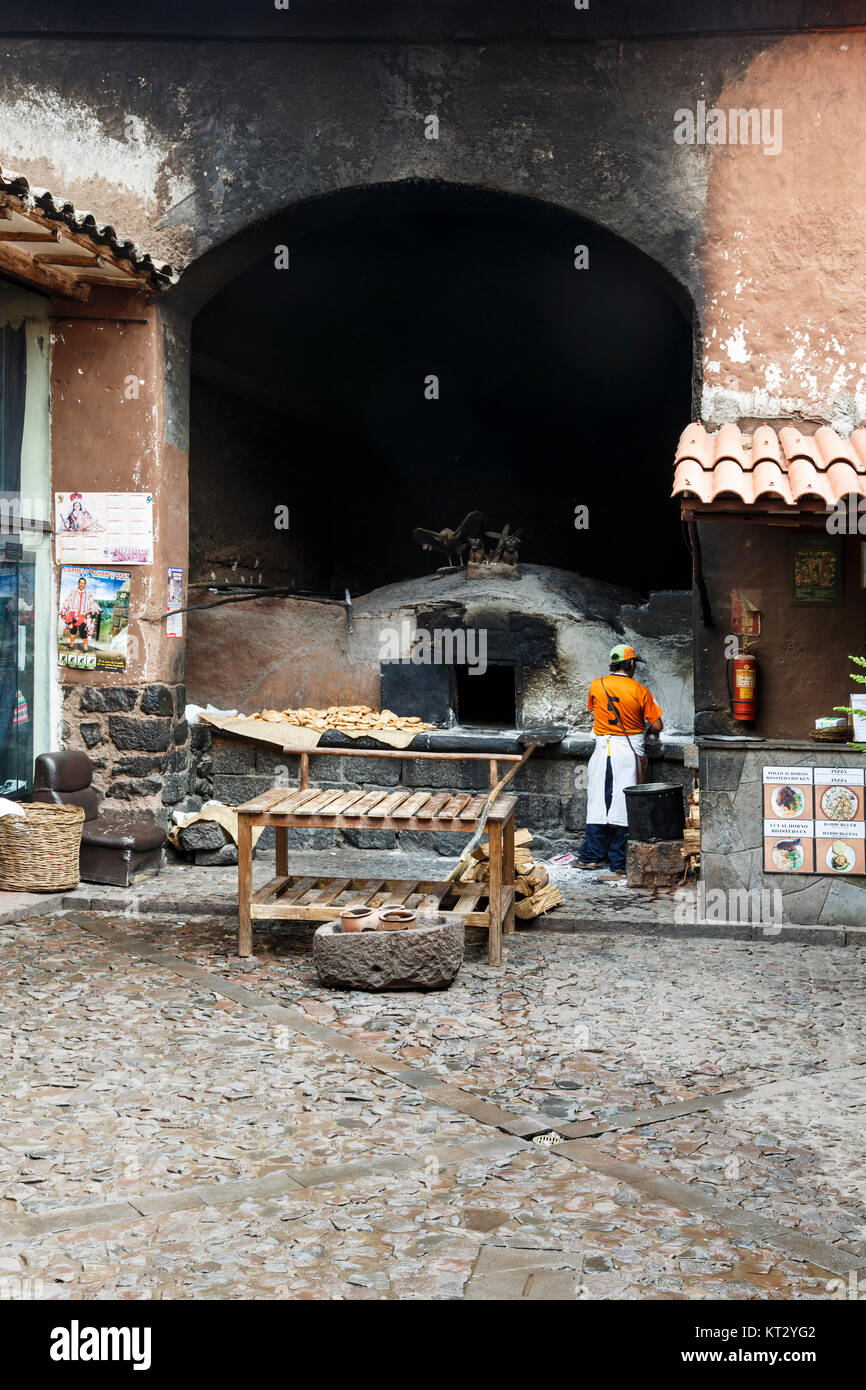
[558, 386]
[549, 376]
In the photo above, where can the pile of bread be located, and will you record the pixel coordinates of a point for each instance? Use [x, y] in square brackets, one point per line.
[352, 719]
[533, 891]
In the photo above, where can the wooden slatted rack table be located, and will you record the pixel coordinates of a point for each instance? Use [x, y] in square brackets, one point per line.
[306, 899]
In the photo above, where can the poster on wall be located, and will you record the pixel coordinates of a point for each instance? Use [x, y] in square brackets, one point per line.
[814, 820]
[173, 601]
[103, 528]
[818, 570]
[789, 835]
[93, 618]
[857, 702]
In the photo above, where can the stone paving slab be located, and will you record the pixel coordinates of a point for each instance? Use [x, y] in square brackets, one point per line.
[419, 1237]
[16, 907]
[589, 905]
[184, 887]
[95, 1039]
[578, 1029]
[502, 1272]
[134, 1080]
[793, 1155]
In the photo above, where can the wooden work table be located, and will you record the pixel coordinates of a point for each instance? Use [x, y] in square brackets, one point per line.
[288, 897]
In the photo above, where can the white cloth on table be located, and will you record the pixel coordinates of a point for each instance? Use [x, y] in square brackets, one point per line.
[625, 774]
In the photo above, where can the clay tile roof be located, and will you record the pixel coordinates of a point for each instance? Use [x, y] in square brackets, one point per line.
[789, 466]
[21, 204]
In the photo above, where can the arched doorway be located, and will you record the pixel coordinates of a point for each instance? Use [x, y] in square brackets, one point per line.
[557, 387]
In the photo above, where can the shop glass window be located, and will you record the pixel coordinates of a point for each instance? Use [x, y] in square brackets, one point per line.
[25, 541]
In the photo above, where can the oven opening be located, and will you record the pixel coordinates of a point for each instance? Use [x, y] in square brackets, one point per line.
[488, 699]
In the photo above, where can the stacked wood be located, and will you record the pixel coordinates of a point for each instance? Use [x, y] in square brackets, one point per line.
[692, 834]
[539, 903]
[350, 718]
[536, 877]
[534, 893]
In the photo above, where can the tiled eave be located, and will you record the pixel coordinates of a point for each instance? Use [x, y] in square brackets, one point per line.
[727, 507]
[778, 477]
[49, 245]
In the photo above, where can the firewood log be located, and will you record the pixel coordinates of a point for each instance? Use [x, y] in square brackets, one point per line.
[542, 901]
[521, 837]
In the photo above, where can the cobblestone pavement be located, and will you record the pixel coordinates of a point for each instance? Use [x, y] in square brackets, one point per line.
[584, 895]
[178, 1123]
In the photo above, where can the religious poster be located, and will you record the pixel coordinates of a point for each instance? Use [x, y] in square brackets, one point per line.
[817, 570]
[103, 528]
[173, 601]
[93, 618]
[814, 820]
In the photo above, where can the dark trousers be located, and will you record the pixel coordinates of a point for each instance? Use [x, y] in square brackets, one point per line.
[606, 841]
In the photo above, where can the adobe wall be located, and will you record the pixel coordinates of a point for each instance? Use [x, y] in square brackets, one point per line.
[783, 248]
[107, 434]
[163, 140]
[803, 650]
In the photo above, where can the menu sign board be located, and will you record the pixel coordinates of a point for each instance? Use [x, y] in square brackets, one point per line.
[814, 820]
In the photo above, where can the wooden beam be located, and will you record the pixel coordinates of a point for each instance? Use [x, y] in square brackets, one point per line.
[814, 519]
[82, 239]
[19, 265]
[401, 753]
[130, 285]
[32, 237]
[61, 258]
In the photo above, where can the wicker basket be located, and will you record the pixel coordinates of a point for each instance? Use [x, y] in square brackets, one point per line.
[39, 854]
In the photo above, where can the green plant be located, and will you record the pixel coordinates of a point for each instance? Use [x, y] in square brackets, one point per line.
[848, 709]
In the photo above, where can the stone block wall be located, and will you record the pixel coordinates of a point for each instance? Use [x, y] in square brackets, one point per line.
[551, 790]
[732, 833]
[138, 741]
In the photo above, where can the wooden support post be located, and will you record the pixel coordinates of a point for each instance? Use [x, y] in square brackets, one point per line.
[245, 885]
[305, 772]
[494, 834]
[281, 837]
[508, 870]
[494, 773]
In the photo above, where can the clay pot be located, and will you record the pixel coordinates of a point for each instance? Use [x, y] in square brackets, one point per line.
[396, 918]
[359, 919]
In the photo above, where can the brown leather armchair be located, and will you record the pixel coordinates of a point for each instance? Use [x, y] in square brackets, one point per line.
[111, 851]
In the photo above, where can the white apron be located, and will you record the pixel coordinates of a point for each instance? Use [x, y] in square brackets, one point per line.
[625, 774]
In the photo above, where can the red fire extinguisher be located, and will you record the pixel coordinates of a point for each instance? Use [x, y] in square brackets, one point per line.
[745, 687]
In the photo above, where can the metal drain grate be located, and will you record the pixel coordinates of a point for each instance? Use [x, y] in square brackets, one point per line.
[545, 1140]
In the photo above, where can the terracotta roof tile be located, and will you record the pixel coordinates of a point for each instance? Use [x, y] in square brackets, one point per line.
[58, 210]
[790, 465]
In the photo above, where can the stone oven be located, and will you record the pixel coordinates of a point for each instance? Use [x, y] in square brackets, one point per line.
[480, 659]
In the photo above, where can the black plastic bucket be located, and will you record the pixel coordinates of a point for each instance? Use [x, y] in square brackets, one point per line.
[655, 811]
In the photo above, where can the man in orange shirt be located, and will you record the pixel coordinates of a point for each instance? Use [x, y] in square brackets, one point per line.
[622, 710]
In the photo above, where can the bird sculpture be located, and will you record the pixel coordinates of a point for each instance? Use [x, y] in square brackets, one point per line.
[453, 543]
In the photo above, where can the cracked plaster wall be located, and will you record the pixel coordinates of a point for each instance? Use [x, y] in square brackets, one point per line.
[164, 141]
